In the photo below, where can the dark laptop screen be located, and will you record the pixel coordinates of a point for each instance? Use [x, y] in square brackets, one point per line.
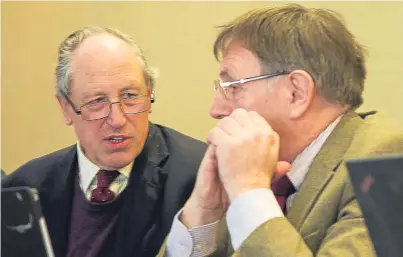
[378, 184]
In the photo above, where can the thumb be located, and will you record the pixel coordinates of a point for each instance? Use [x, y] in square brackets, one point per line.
[282, 168]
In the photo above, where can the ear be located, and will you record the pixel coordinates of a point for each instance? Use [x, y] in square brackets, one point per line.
[66, 112]
[301, 92]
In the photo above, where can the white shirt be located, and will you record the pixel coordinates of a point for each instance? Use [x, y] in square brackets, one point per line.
[87, 175]
[246, 213]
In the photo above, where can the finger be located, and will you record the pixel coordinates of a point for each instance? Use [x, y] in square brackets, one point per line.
[256, 120]
[282, 168]
[240, 115]
[229, 126]
[208, 165]
[209, 157]
[217, 136]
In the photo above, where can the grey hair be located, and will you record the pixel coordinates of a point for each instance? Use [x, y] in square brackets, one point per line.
[290, 37]
[74, 40]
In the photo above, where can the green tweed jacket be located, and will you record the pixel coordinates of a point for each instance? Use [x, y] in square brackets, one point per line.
[325, 219]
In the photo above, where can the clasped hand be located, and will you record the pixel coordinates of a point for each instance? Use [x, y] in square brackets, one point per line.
[242, 155]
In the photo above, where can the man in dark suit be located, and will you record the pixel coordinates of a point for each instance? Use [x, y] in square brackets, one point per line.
[115, 192]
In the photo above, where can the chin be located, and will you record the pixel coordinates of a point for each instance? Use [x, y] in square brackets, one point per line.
[116, 165]
[117, 162]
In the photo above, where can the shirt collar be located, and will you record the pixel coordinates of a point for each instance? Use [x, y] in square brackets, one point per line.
[88, 170]
[300, 166]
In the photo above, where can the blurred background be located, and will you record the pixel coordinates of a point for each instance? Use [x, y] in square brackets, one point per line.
[177, 39]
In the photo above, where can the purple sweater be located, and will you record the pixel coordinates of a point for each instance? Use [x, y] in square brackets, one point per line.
[92, 226]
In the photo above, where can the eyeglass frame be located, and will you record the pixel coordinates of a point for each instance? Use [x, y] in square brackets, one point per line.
[79, 112]
[223, 85]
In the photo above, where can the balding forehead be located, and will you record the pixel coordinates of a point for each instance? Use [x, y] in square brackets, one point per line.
[102, 50]
[102, 58]
[104, 43]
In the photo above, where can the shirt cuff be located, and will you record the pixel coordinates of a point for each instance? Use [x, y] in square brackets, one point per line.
[196, 242]
[250, 210]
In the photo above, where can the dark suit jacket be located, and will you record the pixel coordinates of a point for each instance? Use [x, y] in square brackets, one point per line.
[162, 179]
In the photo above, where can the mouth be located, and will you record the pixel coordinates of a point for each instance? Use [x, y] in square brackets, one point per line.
[116, 139]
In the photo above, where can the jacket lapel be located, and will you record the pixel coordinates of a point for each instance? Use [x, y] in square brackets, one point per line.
[142, 197]
[322, 168]
[56, 199]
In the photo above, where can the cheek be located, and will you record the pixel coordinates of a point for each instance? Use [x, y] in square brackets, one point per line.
[88, 132]
[264, 103]
[276, 112]
[243, 100]
[139, 125]
[251, 101]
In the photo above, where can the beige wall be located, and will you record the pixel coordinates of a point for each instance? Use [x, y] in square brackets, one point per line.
[177, 38]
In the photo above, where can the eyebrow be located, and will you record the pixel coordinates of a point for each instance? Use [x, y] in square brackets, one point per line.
[132, 85]
[225, 75]
[97, 92]
[89, 95]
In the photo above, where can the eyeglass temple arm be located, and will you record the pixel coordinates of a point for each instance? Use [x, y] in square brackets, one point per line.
[241, 81]
[78, 112]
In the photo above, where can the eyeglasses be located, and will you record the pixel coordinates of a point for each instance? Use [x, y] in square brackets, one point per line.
[226, 87]
[101, 107]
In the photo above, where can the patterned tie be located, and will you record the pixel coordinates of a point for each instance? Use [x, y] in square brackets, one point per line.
[282, 189]
[102, 194]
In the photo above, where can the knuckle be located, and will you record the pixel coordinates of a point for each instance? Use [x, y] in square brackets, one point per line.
[255, 116]
[239, 111]
[215, 131]
[258, 136]
[273, 138]
[212, 133]
[253, 113]
[223, 122]
[264, 135]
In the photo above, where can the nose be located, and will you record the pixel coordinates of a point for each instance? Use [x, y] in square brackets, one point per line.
[117, 118]
[221, 107]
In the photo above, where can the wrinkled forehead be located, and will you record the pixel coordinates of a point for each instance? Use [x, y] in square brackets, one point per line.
[237, 61]
[105, 59]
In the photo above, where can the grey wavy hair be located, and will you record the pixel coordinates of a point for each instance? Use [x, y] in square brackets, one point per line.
[74, 40]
